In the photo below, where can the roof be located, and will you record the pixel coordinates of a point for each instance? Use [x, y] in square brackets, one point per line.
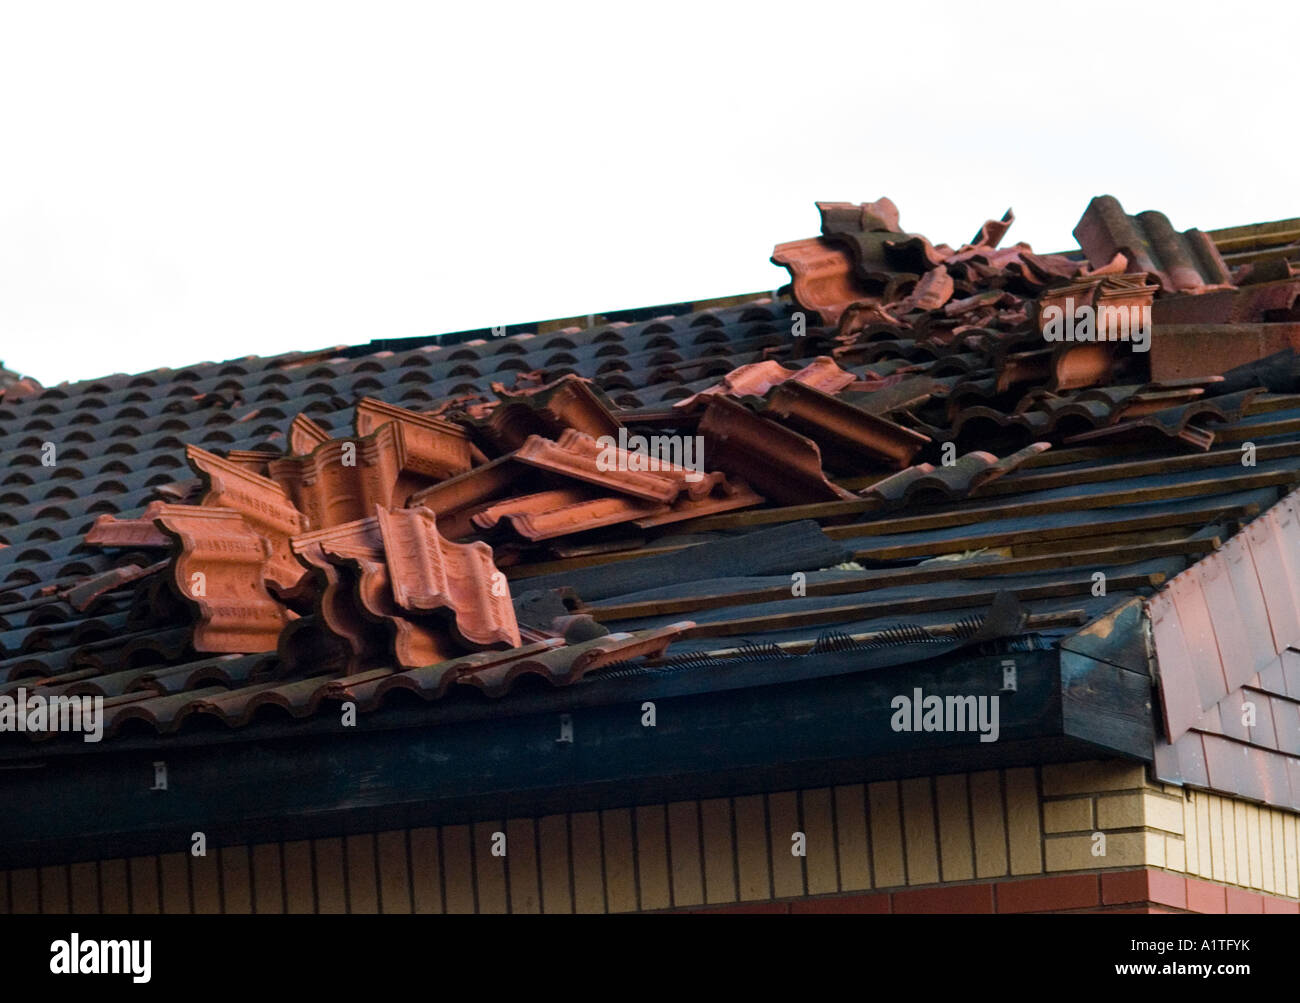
[896, 463]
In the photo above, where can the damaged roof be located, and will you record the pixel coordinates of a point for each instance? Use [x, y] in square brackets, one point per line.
[896, 458]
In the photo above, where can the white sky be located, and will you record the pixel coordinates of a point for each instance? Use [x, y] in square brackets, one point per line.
[184, 182]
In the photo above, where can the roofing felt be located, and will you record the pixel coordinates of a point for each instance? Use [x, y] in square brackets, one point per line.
[885, 456]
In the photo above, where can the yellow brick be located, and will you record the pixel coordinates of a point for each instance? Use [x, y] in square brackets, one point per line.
[851, 837]
[719, 867]
[1120, 811]
[1243, 840]
[1175, 854]
[787, 869]
[1155, 849]
[752, 848]
[819, 827]
[1290, 837]
[1203, 835]
[1191, 836]
[886, 834]
[954, 828]
[1218, 858]
[1266, 850]
[1075, 853]
[1023, 832]
[1074, 815]
[989, 824]
[1092, 776]
[1163, 813]
[918, 832]
[1279, 855]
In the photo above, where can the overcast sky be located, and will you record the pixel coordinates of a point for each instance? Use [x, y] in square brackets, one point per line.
[183, 182]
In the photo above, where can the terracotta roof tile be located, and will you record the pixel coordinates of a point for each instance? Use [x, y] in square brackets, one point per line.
[1180, 262]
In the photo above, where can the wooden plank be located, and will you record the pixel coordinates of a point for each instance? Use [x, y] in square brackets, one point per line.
[887, 859]
[852, 843]
[268, 880]
[919, 840]
[1024, 827]
[327, 864]
[956, 854]
[490, 869]
[175, 883]
[84, 879]
[56, 899]
[988, 822]
[895, 578]
[620, 860]
[553, 838]
[684, 841]
[900, 607]
[144, 885]
[719, 855]
[752, 849]
[652, 857]
[394, 874]
[236, 880]
[299, 878]
[1046, 535]
[961, 513]
[784, 822]
[820, 864]
[966, 514]
[1017, 483]
[586, 853]
[426, 871]
[521, 866]
[363, 883]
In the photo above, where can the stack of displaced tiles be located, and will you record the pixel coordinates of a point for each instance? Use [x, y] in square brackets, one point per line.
[907, 438]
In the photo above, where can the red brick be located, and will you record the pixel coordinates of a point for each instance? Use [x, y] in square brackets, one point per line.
[1239, 901]
[765, 908]
[953, 899]
[843, 904]
[1167, 889]
[1124, 886]
[1280, 906]
[1074, 891]
[1205, 897]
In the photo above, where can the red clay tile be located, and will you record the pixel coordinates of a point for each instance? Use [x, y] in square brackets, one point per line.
[305, 435]
[109, 531]
[584, 464]
[842, 428]
[429, 574]
[780, 464]
[218, 570]
[1186, 261]
[264, 504]
[821, 276]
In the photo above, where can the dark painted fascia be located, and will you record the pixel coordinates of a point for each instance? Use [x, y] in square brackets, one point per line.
[835, 729]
